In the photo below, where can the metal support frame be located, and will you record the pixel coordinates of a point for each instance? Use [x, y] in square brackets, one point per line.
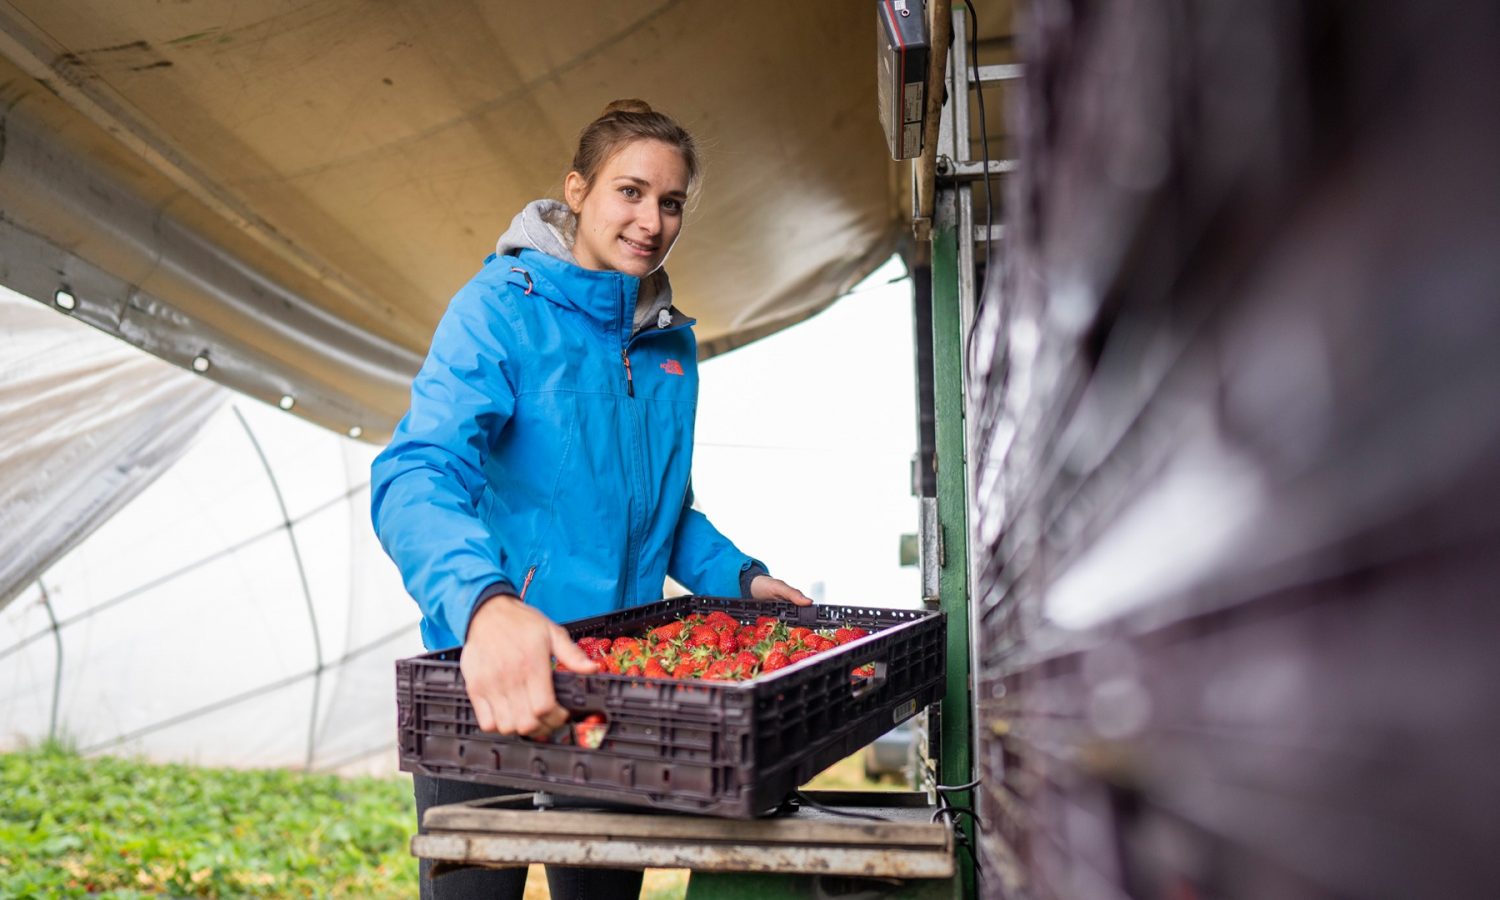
[955, 297]
[319, 666]
[57, 668]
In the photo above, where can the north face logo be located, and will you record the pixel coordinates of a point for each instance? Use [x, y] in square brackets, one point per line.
[672, 367]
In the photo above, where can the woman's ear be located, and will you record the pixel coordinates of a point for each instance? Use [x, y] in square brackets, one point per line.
[574, 190]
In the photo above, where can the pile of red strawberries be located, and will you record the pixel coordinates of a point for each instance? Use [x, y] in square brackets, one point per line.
[716, 647]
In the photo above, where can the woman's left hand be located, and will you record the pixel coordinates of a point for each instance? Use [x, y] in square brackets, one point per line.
[764, 587]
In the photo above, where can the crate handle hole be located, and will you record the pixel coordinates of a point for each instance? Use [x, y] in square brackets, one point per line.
[860, 685]
[589, 729]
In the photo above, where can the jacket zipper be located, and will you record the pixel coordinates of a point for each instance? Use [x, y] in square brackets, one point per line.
[527, 583]
[630, 547]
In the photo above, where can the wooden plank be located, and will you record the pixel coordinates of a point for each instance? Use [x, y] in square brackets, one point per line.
[909, 827]
[487, 849]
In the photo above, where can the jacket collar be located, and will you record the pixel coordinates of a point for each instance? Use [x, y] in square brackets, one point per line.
[606, 298]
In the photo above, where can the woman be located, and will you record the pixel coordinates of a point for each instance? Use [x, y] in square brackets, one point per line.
[542, 473]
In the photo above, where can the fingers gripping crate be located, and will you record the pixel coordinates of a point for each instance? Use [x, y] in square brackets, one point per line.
[724, 748]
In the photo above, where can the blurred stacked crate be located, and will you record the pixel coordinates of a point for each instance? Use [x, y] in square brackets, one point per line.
[1237, 381]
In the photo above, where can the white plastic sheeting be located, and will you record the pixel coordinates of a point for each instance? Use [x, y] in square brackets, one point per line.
[86, 422]
[238, 611]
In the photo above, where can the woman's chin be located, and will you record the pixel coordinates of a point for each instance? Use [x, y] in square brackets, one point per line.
[636, 266]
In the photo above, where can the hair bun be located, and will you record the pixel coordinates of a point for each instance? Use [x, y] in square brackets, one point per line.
[627, 106]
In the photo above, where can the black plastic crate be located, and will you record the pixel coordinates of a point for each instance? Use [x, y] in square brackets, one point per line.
[725, 748]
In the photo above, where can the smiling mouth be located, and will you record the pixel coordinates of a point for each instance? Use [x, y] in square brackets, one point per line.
[642, 249]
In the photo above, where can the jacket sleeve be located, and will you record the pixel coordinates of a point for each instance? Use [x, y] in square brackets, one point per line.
[704, 561]
[425, 487]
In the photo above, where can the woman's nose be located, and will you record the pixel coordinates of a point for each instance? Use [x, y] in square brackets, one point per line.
[649, 219]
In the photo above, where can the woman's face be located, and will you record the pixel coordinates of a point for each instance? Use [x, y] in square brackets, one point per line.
[629, 217]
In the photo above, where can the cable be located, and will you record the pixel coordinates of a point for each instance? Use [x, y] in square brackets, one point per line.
[832, 811]
[955, 788]
[989, 200]
[960, 810]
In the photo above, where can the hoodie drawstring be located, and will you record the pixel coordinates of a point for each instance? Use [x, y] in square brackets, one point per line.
[525, 274]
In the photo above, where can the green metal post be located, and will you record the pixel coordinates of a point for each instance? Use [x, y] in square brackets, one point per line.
[955, 765]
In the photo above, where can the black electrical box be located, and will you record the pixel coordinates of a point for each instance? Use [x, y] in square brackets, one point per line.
[903, 51]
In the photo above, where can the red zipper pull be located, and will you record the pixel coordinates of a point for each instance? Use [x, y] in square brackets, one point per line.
[629, 381]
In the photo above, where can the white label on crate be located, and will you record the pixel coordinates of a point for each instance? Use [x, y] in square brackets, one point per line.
[913, 99]
[911, 140]
[904, 711]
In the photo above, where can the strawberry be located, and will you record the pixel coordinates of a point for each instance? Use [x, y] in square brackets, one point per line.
[688, 666]
[719, 620]
[764, 632]
[781, 646]
[666, 632]
[590, 732]
[703, 636]
[654, 669]
[728, 643]
[823, 642]
[721, 670]
[776, 659]
[747, 638]
[765, 620]
[611, 664]
[843, 636]
[746, 661]
[866, 671]
[627, 643]
[800, 655]
[799, 634]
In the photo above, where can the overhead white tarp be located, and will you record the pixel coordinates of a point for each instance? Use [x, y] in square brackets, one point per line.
[296, 189]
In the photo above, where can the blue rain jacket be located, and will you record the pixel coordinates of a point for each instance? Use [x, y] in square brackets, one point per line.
[547, 453]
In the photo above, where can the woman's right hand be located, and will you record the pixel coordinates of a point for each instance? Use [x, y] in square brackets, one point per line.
[507, 667]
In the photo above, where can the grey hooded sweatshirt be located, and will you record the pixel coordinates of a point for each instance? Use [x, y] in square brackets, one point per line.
[549, 226]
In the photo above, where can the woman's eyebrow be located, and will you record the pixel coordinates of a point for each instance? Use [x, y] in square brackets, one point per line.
[633, 179]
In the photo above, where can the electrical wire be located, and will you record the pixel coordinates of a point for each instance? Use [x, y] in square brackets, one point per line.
[833, 811]
[989, 200]
[956, 787]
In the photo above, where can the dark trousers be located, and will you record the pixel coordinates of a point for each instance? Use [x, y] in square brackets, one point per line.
[564, 882]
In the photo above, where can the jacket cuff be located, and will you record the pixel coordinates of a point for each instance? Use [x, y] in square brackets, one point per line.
[748, 572]
[494, 590]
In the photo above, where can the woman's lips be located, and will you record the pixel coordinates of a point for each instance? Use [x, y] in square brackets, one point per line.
[637, 248]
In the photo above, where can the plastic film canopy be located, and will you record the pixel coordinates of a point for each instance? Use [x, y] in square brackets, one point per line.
[295, 190]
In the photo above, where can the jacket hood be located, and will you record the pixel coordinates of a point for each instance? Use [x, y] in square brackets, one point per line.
[549, 227]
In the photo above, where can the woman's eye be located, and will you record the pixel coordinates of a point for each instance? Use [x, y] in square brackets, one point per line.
[673, 206]
[630, 192]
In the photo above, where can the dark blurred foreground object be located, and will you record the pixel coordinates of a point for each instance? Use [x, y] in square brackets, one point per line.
[1238, 408]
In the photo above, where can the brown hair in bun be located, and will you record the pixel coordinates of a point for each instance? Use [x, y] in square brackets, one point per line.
[622, 122]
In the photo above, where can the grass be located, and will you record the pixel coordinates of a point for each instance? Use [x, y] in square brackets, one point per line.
[118, 828]
[75, 827]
